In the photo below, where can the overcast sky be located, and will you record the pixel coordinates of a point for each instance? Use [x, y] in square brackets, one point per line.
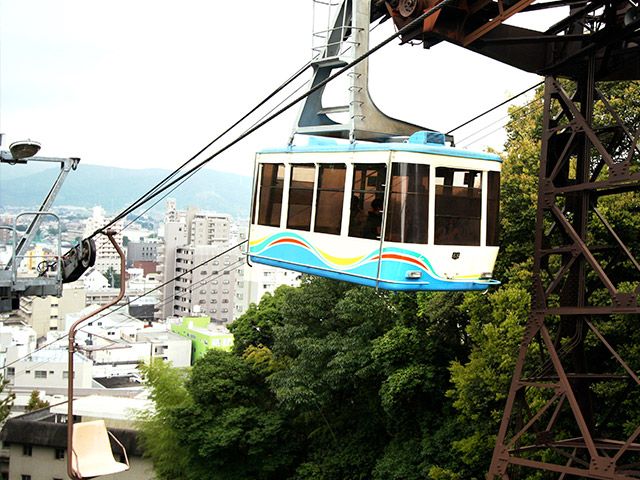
[147, 83]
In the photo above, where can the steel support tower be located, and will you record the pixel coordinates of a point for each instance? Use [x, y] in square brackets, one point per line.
[586, 269]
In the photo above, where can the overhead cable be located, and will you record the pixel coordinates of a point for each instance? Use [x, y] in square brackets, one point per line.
[130, 301]
[320, 85]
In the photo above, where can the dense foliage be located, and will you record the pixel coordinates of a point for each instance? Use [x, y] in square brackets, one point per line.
[331, 381]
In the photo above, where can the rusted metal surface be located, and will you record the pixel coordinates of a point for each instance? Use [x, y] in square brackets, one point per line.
[71, 471]
[605, 31]
[585, 285]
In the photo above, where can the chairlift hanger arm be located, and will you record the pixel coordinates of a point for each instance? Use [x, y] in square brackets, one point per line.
[66, 165]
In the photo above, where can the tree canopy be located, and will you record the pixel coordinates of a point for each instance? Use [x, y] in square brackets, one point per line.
[332, 381]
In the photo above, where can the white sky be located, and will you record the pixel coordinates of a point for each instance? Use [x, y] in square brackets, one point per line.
[147, 83]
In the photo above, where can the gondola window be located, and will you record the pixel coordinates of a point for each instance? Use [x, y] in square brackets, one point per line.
[408, 209]
[330, 198]
[367, 200]
[458, 206]
[271, 188]
[301, 197]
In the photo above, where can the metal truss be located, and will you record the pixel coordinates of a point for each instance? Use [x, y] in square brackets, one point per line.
[585, 299]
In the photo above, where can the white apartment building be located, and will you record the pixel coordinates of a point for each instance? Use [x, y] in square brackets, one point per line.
[175, 235]
[106, 255]
[94, 280]
[118, 343]
[48, 313]
[209, 229]
[47, 369]
[217, 287]
[261, 279]
[20, 340]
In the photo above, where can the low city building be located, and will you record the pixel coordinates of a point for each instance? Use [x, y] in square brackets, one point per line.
[44, 369]
[48, 313]
[37, 441]
[204, 334]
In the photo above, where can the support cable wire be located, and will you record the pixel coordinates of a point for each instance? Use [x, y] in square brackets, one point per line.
[198, 169]
[494, 108]
[158, 190]
[306, 83]
[153, 191]
[213, 276]
[499, 123]
[137, 298]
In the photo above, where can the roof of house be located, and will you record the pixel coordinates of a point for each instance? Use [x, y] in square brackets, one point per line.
[40, 429]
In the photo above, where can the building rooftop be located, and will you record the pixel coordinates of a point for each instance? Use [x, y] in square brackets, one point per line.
[107, 407]
[43, 428]
[55, 356]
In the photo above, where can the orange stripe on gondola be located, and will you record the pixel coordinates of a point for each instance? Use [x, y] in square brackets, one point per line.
[289, 240]
[404, 258]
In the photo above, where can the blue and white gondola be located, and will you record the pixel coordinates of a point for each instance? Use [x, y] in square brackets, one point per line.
[414, 215]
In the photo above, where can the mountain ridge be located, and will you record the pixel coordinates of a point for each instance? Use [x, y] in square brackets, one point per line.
[115, 188]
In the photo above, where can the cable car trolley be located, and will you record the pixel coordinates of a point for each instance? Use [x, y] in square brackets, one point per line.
[401, 215]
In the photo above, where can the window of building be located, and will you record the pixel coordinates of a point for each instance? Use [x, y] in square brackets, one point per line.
[27, 450]
[408, 209]
[25, 477]
[365, 218]
[458, 206]
[270, 195]
[301, 197]
[41, 374]
[59, 453]
[11, 372]
[331, 179]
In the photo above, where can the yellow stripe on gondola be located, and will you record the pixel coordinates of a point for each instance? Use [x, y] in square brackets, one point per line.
[256, 242]
[339, 260]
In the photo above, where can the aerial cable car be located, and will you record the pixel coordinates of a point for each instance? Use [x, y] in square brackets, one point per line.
[394, 208]
[414, 215]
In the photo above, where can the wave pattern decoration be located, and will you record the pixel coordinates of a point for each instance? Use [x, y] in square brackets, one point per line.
[296, 249]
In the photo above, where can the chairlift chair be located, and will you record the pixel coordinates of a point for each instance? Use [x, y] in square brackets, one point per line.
[92, 455]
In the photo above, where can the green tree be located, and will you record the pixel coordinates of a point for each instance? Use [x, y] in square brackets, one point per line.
[113, 277]
[158, 437]
[6, 403]
[231, 426]
[330, 381]
[35, 402]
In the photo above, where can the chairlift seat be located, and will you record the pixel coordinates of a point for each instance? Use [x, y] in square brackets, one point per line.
[92, 455]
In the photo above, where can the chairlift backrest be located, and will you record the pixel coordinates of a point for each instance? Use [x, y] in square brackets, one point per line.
[92, 455]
